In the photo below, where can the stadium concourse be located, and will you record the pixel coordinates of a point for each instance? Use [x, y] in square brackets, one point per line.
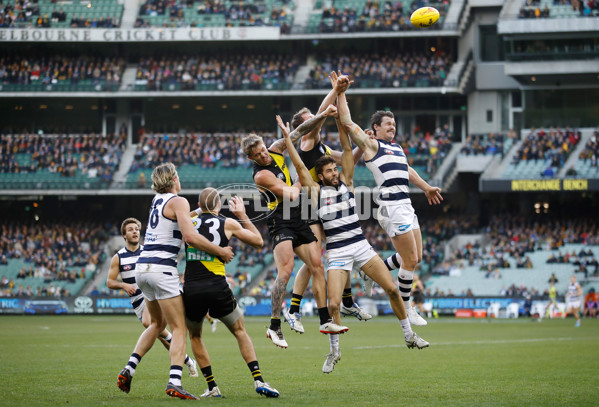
[490, 104]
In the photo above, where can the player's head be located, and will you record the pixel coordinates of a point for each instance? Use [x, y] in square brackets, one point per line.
[327, 171]
[300, 116]
[383, 125]
[130, 230]
[165, 179]
[253, 147]
[209, 200]
[573, 278]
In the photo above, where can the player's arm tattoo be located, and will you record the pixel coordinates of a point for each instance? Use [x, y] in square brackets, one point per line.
[303, 129]
[278, 295]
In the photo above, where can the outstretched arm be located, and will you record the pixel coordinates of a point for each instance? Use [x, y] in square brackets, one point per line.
[347, 157]
[357, 135]
[300, 167]
[306, 127]
[433, 194]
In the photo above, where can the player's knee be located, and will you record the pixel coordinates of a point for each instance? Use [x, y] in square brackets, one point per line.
[410, 261]
[392, 293]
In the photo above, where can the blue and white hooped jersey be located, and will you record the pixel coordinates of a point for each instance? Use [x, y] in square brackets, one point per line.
[127, 260]
[162, 241]
[390, 169]
[573, 292]
[337, 212]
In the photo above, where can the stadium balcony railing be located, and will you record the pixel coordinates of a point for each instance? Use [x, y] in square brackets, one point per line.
[191, 17]
[63, 85]
[87, 10]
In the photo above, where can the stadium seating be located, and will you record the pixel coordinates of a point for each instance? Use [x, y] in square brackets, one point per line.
[225, 13]
[557, 9]
[334, 16]
[53, 161]
[76, 14]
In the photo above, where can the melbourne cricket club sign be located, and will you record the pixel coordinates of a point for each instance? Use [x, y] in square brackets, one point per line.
[139, 34]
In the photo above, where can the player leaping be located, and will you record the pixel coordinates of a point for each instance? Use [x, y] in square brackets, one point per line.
[389, 165]
[346, 244]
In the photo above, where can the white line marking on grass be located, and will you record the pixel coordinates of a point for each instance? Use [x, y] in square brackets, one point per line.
[489, 342]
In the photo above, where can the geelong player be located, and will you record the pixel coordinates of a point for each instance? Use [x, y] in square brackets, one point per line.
[157, 277]
[123, 264]
[573, 299]
[206, 288]
[389, 165]
[311, 148]
[346, 245]
[290, 234]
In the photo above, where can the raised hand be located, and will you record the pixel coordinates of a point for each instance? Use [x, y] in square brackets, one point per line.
[285, 129]
[236, 206]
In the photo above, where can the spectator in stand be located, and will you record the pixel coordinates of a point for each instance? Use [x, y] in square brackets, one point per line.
[591, 304]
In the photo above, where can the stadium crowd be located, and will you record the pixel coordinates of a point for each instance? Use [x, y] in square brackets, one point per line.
[60, 69]
[487, 144]
[341, 18]
[554, 145]
[26, 14]
[235, 12]
[388, 71]
[52, 252]
[204, 149]
[591, 150]
[227, 72]
[68, 154]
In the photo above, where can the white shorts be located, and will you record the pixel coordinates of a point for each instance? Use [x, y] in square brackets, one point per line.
[139, 311]
[573, 304]
[397, 219]
[346, 258]
[158, 286]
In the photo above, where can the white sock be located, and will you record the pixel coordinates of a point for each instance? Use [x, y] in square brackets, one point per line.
[175, 375]
[134, 360]
[393, 262]
[334, 342]
[405, 325]
[406, 278]
[169, 337]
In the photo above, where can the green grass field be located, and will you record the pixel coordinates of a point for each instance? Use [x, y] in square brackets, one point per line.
[74, 360]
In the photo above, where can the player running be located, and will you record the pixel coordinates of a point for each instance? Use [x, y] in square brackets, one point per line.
[123, 264]
[206, 288]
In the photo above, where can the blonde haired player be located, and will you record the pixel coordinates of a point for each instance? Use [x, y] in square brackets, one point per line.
[123, 264]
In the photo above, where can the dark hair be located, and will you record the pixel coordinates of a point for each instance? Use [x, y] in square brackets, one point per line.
[321, 162]
[377, 117]
[297, 117]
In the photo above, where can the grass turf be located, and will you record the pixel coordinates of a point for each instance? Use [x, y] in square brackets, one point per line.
[74, 360]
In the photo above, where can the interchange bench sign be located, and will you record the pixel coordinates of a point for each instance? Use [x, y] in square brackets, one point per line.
[537, 185]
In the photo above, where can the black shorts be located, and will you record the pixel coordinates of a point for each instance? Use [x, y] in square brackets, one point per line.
[296, 230]
[210, 295]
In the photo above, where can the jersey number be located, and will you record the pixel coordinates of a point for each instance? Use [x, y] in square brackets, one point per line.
[213, 230]
[154, 218]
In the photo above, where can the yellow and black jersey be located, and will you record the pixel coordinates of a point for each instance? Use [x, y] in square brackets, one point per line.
[278, 167]
[309, 157]
[199, 264]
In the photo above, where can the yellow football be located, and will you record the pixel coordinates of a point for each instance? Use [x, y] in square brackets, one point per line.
[424, 17]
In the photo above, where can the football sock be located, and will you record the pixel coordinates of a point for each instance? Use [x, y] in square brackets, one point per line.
[393, 262]
[296, 299]
[348, 301]
[405, 278]
[405, 325]
[175, 375]
[275, 323]
[207, 372]
[134, 360]
[255, 370]
[334, 342]
[169, 337]
[323, 313]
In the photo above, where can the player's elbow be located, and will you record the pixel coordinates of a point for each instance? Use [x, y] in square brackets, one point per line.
[257, 243]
